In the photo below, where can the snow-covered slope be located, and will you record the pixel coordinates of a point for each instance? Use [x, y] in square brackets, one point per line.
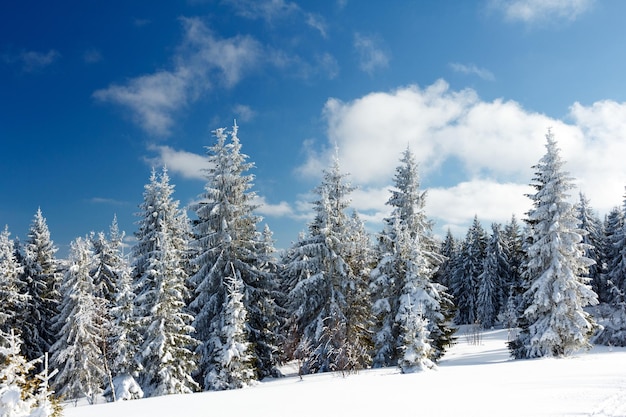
[471, 380]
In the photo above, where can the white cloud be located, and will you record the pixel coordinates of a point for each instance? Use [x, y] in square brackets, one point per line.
[317, 22]
[152, 99]
[187, 164]
[472, 69]
[282, 209]
[328, 65]
[33, 61]
[244, 113]
[371, 55]
[272, 11]
[268, 10]
[109, 201]
[202, 61]
[491, 201]
[475, 156]
[530, 11]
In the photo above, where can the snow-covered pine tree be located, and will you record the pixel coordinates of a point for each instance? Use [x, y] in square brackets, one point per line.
[415, 348]
[77, 353]
[16, 395]
[104, 273]
[593, 240]
[45, 403]
[113, 281]
[513, 243]
[448, 251]
[321, 282]
[408, 259]
[225, 236]
[616, 256]
[469, 266]
[492, 289]
[267, 347]
[554, 322]
[360, 320]
[166, 343]
[613, 332]
[42, 278]
[13, 300]
[231, 366]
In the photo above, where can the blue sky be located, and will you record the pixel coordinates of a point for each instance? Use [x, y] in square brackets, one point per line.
[93, 94]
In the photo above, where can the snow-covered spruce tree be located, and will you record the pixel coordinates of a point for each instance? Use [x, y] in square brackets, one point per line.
[513, 242]
[113, 283]
[41, 277]
[554, 322]
[614, 326]
[77, 353]
[492, 290]
[415, 348]
[408, 259]
[13, 300]
[322, 284]
[468, 267]
[448, 251]
[225, 237]
[104, 274]
[16, 394]
[616, 256]
[231, 366]
[360, 320]
[275, 319]
[166, 343]
[45, 403]
[593, 239]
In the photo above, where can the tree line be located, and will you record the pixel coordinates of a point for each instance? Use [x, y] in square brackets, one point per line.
[205, 302]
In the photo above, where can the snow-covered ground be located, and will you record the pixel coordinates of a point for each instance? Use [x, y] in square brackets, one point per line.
[471, 380]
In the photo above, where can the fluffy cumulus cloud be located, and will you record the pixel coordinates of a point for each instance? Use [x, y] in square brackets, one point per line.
[530, 11]
[475, 156]
[203, 61]
[187, 164]
[282, 209]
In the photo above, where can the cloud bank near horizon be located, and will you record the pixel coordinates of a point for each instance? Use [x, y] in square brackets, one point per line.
[491, 144]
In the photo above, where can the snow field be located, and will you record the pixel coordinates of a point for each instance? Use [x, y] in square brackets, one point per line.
[471, 380]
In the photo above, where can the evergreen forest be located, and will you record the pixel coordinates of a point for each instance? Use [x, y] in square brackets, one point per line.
[203, 300]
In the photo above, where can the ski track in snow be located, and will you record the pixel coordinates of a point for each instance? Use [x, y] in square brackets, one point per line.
[472, 380]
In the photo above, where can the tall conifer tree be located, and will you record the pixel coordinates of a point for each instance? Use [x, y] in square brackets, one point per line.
[166, 350]
[593, 241]
[77, 353]
[403, 279]
[42, 278]
[492, 289]
[13, 299]
[226, 238]
[554, 322]
[467, 269]
[322, 284]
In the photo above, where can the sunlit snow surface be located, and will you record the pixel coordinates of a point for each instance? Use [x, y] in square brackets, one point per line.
[471, 380]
